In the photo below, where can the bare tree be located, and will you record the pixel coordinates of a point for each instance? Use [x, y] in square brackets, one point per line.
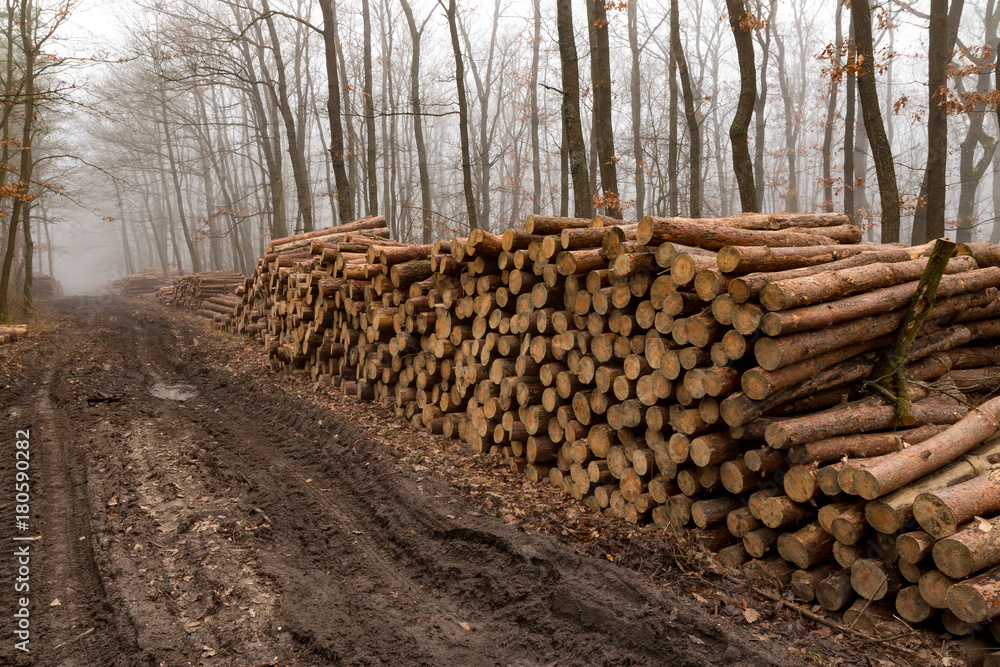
[742, 24]
[881, 150]
[463, 116]
[573, 132]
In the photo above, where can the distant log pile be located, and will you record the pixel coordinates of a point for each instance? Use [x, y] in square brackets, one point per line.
[45, 287]
[724, 374]
[11, 333]
[149, 281]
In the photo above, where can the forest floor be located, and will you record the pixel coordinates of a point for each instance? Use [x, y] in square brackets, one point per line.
[256, 522]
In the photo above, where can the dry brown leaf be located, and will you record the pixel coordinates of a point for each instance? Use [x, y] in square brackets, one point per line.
[751, 615]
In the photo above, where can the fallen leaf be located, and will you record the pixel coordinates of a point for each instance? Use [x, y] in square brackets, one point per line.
[751, 615]
[699, 598]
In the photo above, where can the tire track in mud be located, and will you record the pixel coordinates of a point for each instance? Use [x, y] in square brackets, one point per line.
[72, 624]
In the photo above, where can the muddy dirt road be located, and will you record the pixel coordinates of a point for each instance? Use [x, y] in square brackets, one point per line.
[243, 526]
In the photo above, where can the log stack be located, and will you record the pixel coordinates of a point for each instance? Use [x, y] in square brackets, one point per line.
[146, 282]
[13, 332]
[211, 295]
[715, 374]
[46, 287]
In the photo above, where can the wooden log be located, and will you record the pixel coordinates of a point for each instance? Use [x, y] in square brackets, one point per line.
[774, 353]
[804, 582]
[761, 541]
[829, 285]
[710, 236]
[894, 471]
[874, 579]
[800, 430]
[889, 513]
[850, 526]
[941, 512]
[806, 547]
[914, 546]
[977, 599]
[741, 522]
[553, 224]
[835, 592]
[974, 548]
[860, 445]
[911, 606]
[782, 511]
[871, 303]
[759, 383]
[711, 511]
[769, 259]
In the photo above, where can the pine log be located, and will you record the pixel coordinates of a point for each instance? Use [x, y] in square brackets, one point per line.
[782, 511]
[973, 548]
[894, 471]
[553, 224]
[652, 231]
[804, 582]
[800, 430]
[797, 292]
[941, 512]
[806, 547]
[860, 445]
[774, 353]
[768, 259]
[875, 302]
[874, 579]
[911, 606]
[890, 513]
[759, 383]
[835, 592]
[978, 599]
[914, 546]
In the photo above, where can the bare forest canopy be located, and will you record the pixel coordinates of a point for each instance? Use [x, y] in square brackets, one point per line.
[208, 127]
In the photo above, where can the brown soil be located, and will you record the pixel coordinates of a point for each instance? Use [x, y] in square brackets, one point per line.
[248, 525]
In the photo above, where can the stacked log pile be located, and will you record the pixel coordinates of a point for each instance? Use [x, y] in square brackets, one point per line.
[147, 282]
[707, 373]
[211, 295]
[13, 332]
[46, 287]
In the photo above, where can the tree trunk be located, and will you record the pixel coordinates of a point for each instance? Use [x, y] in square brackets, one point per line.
[694, 128]
[937, 118]
[168, 140]
[831, 110]
[881, 150]
[850, 126]
[345, 195]
[536, 160]
[418, 127]
[738, 132]
[635, 83]
[372, 172]
[760, 138]
[573, 133]
[463, 118]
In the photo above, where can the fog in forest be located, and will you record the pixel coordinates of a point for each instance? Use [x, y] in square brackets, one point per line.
[185, 134]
